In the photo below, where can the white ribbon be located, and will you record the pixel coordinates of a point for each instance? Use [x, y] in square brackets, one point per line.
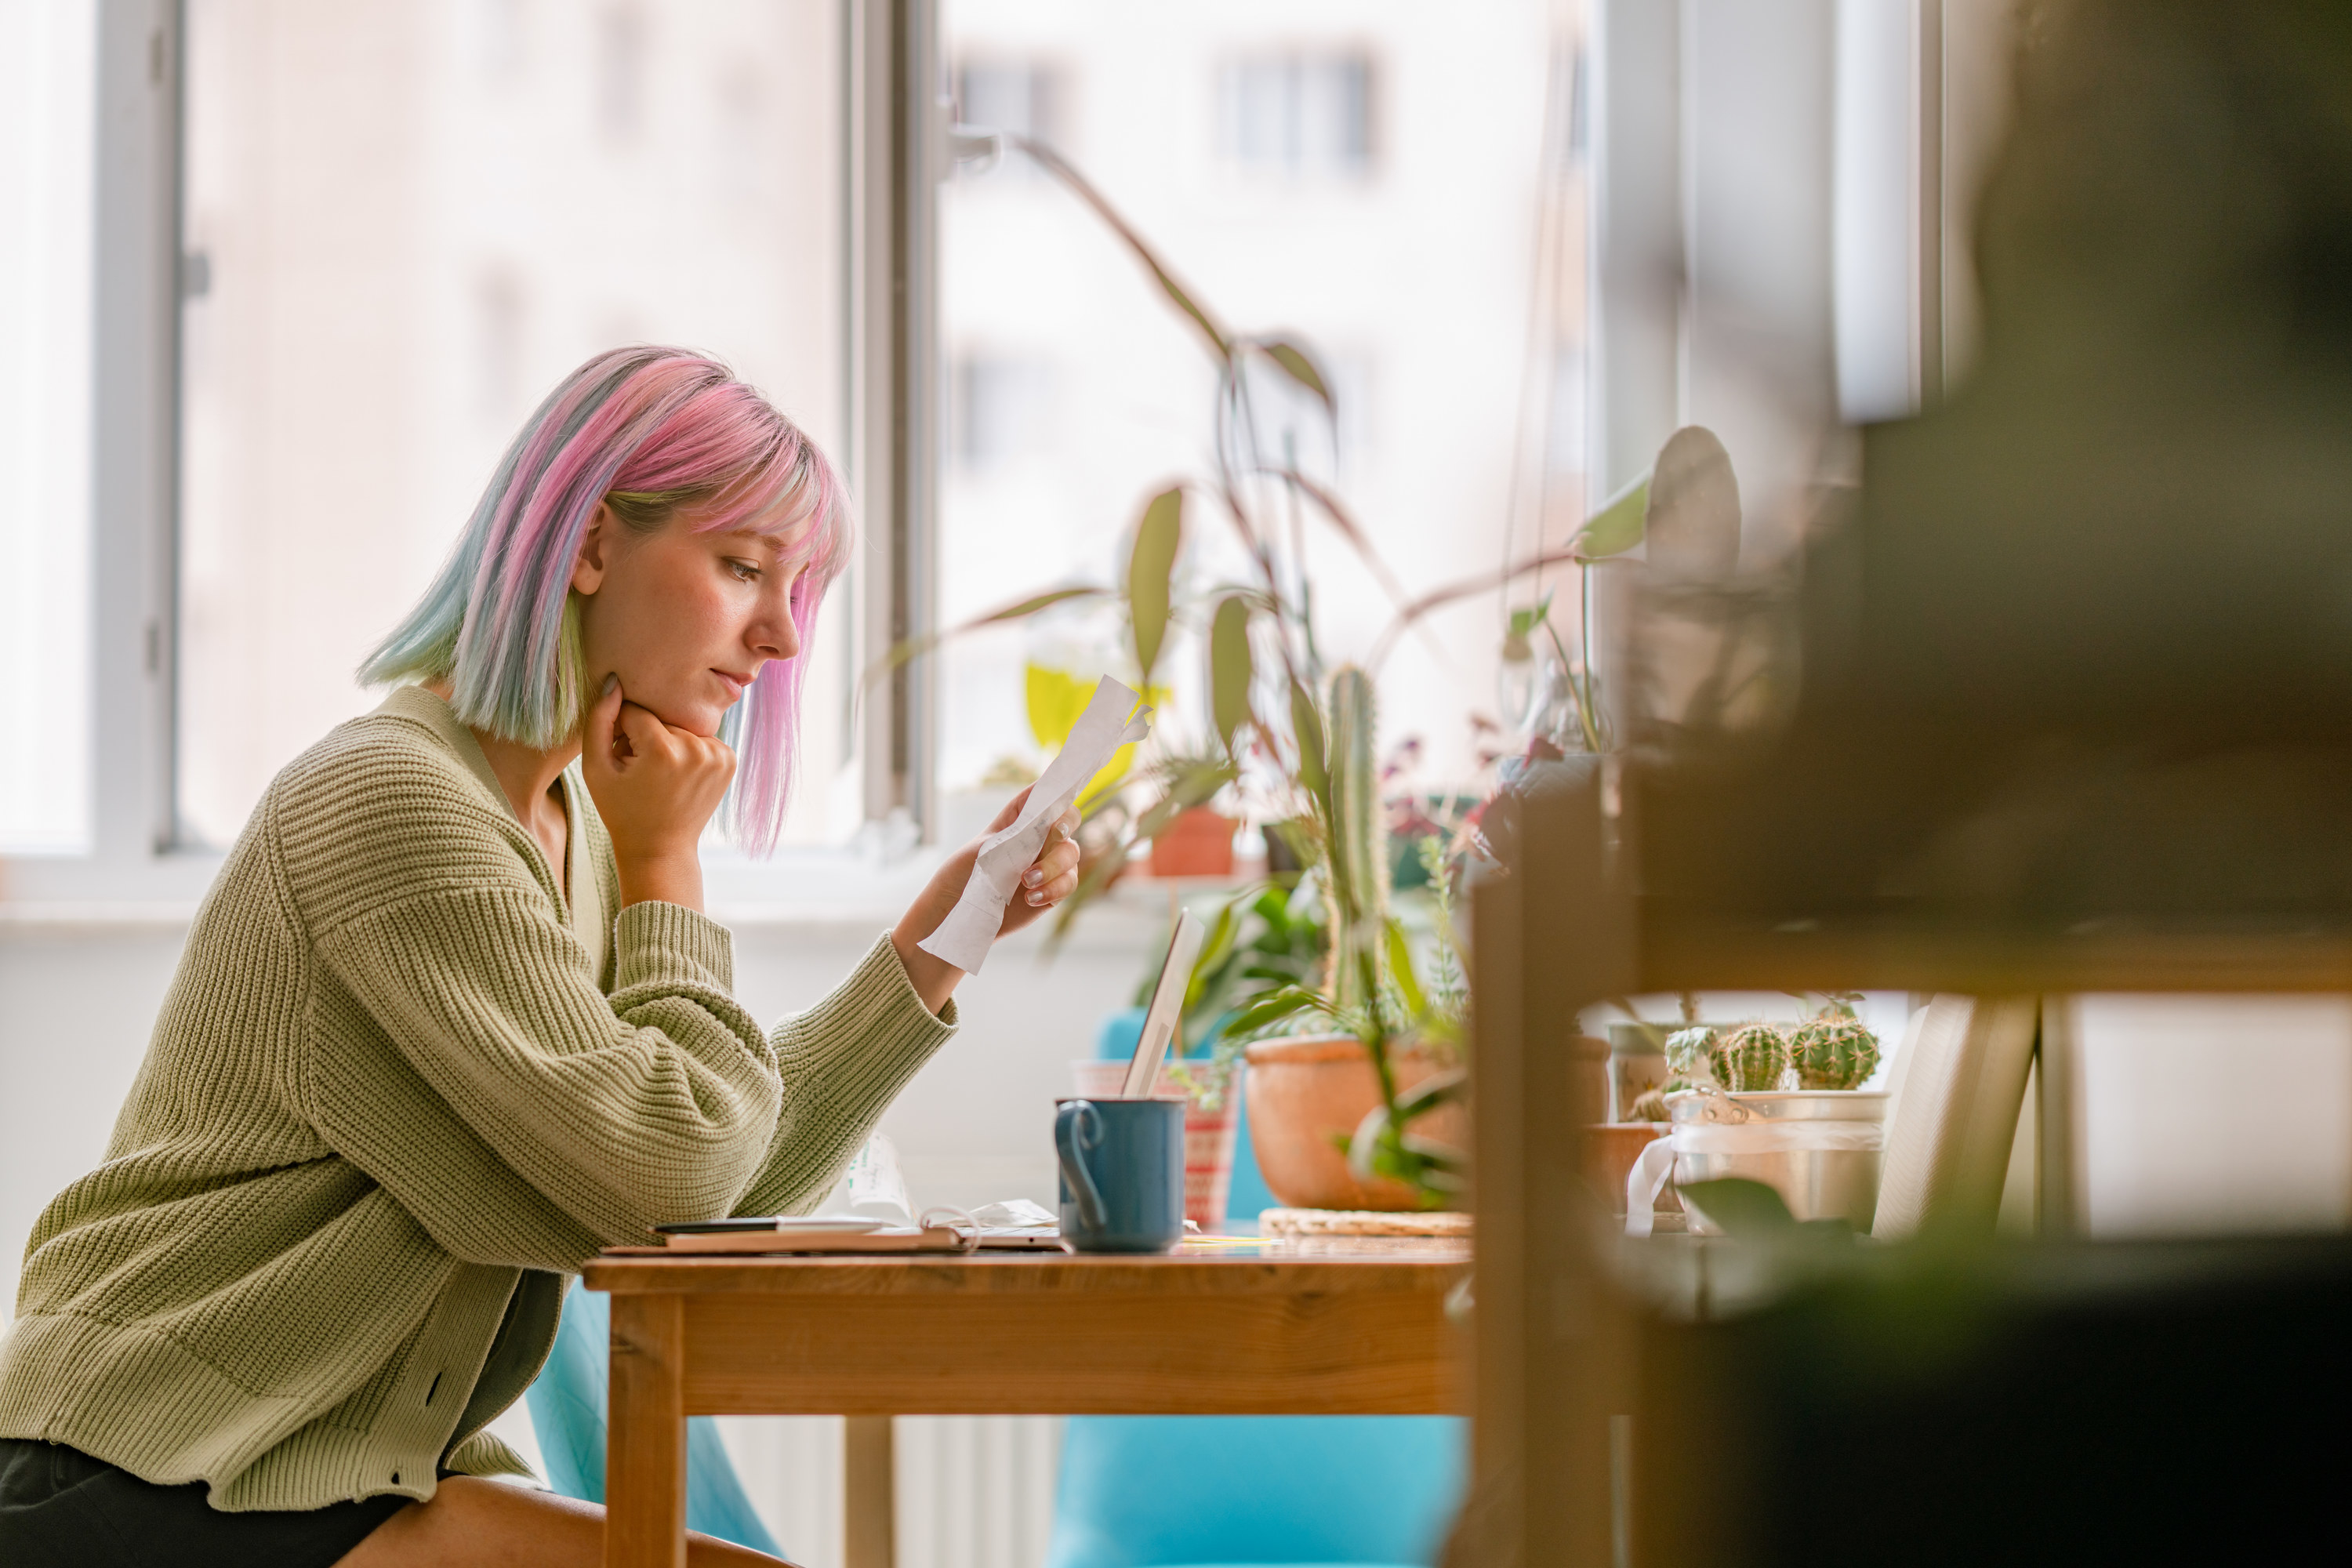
[1777, 1137]
[1649, 1174]
[1645, 1182]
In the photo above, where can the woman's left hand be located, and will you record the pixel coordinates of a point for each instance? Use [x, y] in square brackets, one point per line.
[1049, 879]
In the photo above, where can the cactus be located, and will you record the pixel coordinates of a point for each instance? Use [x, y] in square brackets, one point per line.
[1751, 1060]
[1686, 1051]
[1831, 1052]
[1650, 1106]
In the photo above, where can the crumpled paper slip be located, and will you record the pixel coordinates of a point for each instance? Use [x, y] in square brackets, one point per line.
[963, 938]
[1016, 1213]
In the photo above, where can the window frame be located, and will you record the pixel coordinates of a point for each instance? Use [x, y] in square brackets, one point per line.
[140, 865]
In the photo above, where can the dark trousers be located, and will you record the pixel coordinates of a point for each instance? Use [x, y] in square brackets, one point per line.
[61, 1508]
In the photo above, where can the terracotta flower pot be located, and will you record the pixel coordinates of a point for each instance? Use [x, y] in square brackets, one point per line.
[1306, 1096]
[1199, 843]
[1610, 1150]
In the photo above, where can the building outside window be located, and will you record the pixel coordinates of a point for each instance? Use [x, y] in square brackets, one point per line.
[1298, 114]
[418, 215]
[48, 116]
[1310, 172]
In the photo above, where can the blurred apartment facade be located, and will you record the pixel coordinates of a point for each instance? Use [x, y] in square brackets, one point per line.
[1398, 187]
[405, 219]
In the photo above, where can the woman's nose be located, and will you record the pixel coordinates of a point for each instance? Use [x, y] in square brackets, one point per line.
[774, 635]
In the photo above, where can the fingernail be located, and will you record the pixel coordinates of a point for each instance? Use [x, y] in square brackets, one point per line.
[1037, 900]
[1032, 877]
[611, 682]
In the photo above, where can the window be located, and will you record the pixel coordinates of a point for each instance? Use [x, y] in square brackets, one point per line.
[1001, 409]
[1298, 115]
[401, 222]
[48, 113]
[418, 217]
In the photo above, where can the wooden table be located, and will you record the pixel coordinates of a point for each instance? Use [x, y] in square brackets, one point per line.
[1338, 1329]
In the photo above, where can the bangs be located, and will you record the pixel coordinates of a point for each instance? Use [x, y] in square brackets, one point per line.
[777, 484]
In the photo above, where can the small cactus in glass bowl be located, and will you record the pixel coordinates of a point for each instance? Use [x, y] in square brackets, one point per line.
[1750, 1059]
[1832, 1052]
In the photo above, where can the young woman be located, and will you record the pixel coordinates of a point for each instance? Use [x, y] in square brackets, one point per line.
[452, 1019]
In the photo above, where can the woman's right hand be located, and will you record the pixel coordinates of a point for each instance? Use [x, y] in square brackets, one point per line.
[656, 786]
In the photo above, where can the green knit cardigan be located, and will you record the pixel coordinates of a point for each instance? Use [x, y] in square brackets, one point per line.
[400, 1088]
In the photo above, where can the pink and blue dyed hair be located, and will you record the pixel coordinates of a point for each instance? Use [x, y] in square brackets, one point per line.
[649, 430]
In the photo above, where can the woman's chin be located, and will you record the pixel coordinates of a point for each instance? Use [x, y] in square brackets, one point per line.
[694, 717]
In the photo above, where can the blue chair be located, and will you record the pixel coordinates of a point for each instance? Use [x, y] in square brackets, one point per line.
[568, 1403]
[1157, 1491]
[1161, 1491]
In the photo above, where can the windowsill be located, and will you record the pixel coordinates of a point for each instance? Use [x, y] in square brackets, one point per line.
[811, 890]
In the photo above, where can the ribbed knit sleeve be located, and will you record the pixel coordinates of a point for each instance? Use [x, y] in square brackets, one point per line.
[519, 1114]
[842, 1062]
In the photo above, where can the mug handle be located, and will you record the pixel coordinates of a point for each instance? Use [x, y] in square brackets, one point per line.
[1067, 1140]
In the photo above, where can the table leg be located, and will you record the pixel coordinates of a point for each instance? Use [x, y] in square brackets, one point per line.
[644, 1449]
[870, 1513]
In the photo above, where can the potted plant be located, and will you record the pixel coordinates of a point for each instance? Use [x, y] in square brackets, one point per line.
[1198, 842]
[1793, 1092]
[1292, 739]
[1361, 1108]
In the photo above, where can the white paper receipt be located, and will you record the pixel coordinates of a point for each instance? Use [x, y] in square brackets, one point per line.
[963, 938]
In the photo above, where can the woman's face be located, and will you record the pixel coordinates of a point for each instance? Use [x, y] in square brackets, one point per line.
[687, 620]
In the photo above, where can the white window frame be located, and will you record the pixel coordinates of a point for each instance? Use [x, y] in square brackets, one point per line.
[141, 867]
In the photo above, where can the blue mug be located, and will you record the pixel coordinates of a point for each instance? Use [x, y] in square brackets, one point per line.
[1122, 1174]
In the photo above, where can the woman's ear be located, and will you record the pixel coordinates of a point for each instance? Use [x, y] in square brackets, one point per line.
[588, 567]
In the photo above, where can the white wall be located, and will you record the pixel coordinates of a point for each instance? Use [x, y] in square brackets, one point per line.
[76, 1006]
[2203, 1114]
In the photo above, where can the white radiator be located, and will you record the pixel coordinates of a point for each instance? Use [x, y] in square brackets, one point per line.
[974, 1491]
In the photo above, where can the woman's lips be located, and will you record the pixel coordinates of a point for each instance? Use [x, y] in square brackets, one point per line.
[736, 685]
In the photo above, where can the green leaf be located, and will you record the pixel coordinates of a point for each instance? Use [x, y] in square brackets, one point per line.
[1408, 984]
[1306, 729]
[1742, 1208]
[1273, 1009]
[1215, 947]
[1300, 369]
[1364, 1150]
[1230, 668]
[1150, 569]
[1692, 519]
[1431, 1092]
[1524, 622]
[915, 647]
[1617, 526]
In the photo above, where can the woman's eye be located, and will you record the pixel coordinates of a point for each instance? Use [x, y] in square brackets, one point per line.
[745, 571]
